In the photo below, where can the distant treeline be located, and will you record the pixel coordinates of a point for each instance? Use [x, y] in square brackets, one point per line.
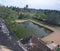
[48, 16]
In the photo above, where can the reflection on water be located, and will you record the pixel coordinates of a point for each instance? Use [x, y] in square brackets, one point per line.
[29, 28]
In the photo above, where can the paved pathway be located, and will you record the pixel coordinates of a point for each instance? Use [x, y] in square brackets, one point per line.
[54, 36]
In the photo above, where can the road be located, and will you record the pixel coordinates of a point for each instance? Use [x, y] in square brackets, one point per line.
[8, 39]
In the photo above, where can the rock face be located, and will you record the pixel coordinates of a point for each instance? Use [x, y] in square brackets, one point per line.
[7, 39]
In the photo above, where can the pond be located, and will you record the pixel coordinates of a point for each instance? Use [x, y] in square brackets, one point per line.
[29, 28]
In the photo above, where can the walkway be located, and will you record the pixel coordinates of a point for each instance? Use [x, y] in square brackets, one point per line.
[54, 36]
[20, 21]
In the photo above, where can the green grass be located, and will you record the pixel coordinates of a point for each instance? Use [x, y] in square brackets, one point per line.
[58, 49]
[13, 15]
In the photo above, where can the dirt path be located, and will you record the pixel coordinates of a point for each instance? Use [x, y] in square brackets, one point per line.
[18, 21]
[4, 48]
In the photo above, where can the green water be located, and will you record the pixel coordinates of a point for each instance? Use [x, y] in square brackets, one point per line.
[28, 28]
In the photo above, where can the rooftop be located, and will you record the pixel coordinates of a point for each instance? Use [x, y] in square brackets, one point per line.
[33, 44]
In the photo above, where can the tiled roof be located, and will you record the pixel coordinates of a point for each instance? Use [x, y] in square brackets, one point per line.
[33, 44]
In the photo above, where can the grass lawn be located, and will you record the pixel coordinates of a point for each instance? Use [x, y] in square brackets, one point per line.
[58, 49]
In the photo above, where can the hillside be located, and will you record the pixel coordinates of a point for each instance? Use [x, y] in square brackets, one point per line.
[10, 14]
[47, 16]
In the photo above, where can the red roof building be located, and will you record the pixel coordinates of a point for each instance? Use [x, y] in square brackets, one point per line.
[33, 44]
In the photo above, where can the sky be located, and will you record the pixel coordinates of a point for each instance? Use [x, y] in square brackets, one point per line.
[37, 4]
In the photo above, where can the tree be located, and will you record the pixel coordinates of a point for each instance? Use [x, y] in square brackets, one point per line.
[26, 7]
[21, 16]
